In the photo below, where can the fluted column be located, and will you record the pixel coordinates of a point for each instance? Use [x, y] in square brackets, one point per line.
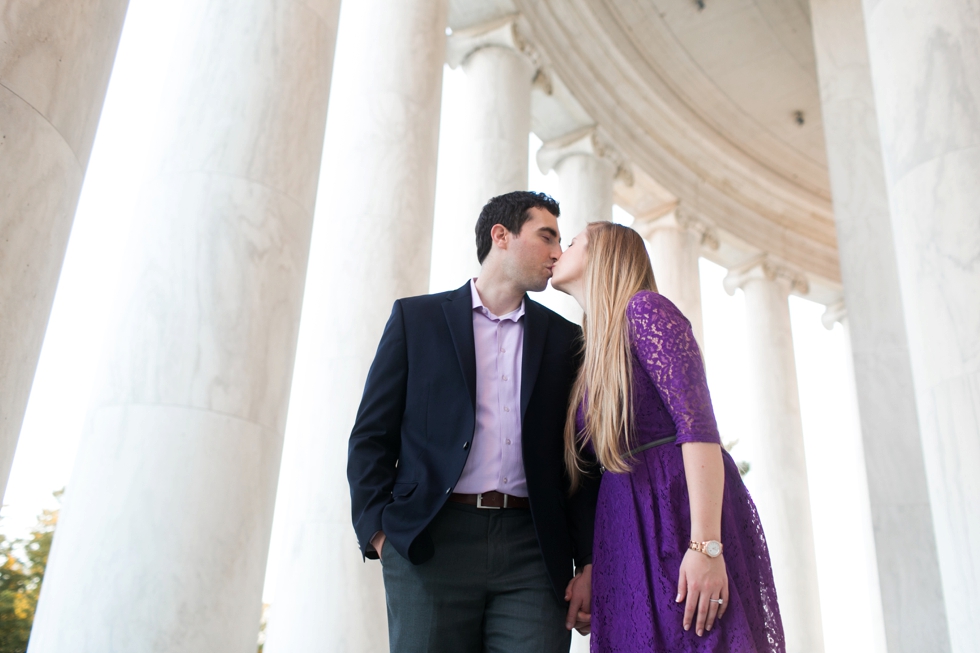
[55, 60]
[908, 565]
[675, 251]
[165, 530]
[499, 73]
[925, 64]
[778, 477]
[587, 168]
[371, 246]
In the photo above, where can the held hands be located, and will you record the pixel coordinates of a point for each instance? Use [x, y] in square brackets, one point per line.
[702, 579]
[579, 597]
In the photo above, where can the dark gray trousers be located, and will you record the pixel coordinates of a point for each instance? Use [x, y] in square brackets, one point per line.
[486, 590]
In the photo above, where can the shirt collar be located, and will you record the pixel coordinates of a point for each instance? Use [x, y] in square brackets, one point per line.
[513, 316]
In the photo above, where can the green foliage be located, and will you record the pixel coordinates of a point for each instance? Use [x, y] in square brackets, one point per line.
[743, 465]
[24, 562]
[262, 624]
[17, 600]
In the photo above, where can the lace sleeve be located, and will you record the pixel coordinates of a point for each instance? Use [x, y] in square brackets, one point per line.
[665, 347]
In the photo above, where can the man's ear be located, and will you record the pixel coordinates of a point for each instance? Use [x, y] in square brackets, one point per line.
[500, 236]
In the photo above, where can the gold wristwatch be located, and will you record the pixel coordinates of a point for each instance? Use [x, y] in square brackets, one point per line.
[711, 548]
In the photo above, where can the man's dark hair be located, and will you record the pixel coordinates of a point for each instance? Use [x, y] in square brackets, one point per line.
[510, 210]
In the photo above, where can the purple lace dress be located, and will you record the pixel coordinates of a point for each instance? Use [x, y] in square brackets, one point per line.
[642, 526]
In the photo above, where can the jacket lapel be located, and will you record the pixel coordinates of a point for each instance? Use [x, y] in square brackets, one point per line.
[458, 308]
[535, 334]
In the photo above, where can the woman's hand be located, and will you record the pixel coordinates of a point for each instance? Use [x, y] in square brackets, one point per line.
[702, 579]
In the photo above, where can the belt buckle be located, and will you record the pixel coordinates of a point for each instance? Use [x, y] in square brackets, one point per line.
[479, 503]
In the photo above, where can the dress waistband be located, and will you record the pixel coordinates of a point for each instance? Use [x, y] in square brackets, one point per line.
[644, 447]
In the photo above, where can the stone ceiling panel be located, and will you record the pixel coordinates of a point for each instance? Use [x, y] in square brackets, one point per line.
[468, 13]
[706, 103]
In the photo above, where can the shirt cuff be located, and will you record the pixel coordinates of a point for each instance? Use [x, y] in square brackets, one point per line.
[370, 553]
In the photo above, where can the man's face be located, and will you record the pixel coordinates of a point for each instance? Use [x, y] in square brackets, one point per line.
[532, 253]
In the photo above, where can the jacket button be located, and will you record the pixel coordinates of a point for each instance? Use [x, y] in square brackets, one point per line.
[466, 445]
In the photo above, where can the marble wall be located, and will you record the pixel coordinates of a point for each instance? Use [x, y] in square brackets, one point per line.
[925, 64]
[910, 596]
[180, 457]
[55, 60]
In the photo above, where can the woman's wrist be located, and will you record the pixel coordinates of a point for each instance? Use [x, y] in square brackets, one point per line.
[705, 535]
[710, 548]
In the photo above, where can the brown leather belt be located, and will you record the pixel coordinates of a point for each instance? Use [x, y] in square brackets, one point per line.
[491, 500]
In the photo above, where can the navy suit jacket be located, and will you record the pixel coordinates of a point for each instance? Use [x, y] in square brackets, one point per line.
[416, 421]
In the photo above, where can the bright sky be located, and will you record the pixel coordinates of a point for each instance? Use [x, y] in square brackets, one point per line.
[56, 412]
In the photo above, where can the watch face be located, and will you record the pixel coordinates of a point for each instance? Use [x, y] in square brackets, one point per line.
[713, 548]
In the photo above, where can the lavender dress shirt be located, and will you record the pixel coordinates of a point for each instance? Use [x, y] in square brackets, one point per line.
[495, 461]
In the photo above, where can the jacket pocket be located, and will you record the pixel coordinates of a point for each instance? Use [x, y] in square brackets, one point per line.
[403, 489]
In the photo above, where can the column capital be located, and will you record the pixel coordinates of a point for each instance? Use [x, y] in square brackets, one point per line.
[503, 32]
[680, 219]
[587, 141]
[836, 312]
[764, 267]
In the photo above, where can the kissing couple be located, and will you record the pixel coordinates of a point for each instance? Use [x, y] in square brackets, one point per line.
[519, 476]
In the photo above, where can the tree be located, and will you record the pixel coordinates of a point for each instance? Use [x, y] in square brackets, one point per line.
[24, 562]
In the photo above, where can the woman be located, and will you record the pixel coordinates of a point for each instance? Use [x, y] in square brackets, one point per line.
[678, 543]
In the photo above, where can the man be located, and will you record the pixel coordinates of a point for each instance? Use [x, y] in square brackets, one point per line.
[456, 459]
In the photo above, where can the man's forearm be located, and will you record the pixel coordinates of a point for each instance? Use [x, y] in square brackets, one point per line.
[581, 520]
[375, 440]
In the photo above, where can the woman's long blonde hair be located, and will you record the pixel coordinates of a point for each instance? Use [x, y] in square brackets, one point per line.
[617, 268]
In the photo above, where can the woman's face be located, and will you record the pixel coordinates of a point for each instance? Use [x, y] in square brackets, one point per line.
[570, 268]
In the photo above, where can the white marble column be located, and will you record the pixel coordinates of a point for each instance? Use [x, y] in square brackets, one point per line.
[165, 529]
[55, 60]
[778, 477]
[371, 246]
[587, 168]
[925, 64]
[908, 566]
[675, 250]
[499, 73]
[844, 483]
